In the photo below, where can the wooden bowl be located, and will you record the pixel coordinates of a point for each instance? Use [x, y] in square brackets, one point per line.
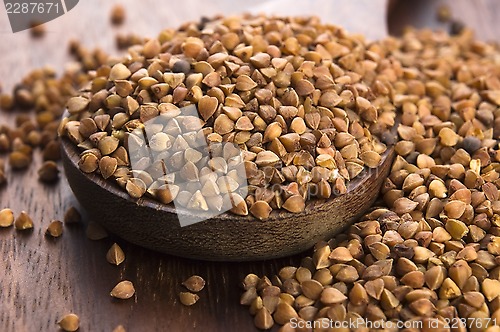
[226, 237]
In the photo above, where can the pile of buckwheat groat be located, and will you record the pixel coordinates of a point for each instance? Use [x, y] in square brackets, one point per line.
[294, 97]
[427, 255]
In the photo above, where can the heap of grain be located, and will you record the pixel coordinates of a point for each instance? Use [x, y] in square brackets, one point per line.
[429, 256]
[306, 104]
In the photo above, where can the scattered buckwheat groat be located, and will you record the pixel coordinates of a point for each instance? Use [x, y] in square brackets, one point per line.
[118, 14]
[70, 323]
[188, 299]
[115, 255]
[124, 41]
[6, 217]
[194, 283]
[49, 172]
[444, 13]
[119, 328]
[72, 216]
[123, 290]
[23, 222]
[37, 30]
[55, 229]
[3, 177]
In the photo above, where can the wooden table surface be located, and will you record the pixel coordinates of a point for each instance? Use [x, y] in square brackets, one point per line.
[42, 279]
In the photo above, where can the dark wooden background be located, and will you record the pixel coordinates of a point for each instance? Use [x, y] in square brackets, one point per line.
[42, 279]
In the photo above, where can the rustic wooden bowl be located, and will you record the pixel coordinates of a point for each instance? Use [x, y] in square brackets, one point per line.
[226, 237]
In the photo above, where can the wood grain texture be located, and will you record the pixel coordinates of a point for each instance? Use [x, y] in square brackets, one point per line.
[42, 279]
